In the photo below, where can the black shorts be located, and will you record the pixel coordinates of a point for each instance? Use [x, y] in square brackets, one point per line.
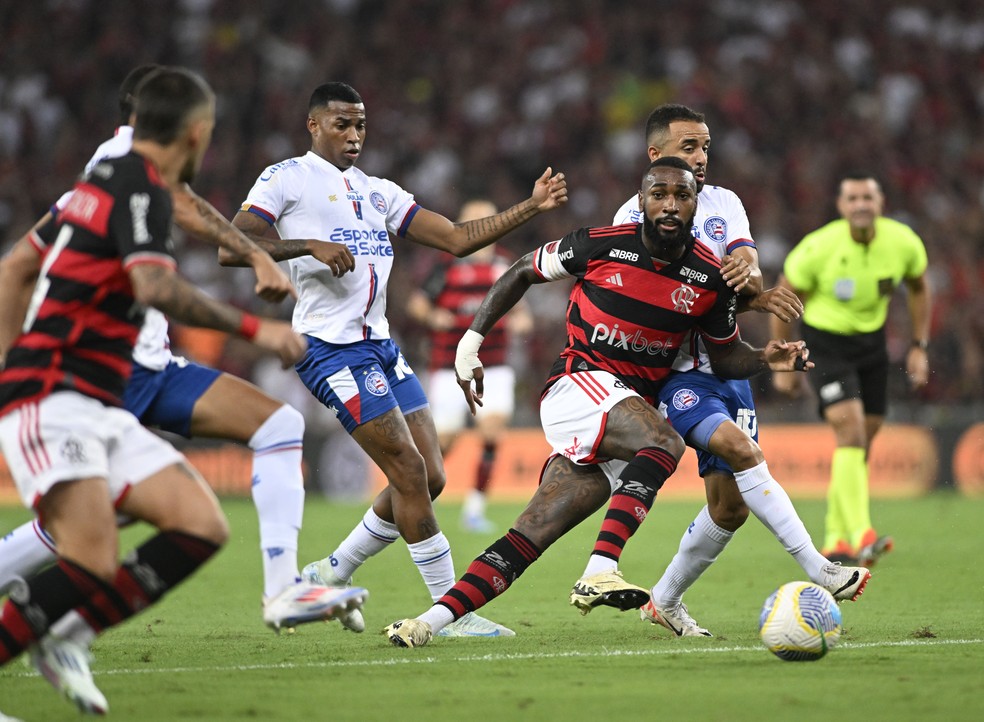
[849, 367]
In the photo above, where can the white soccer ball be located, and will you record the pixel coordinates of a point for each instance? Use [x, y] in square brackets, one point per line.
[800, 622]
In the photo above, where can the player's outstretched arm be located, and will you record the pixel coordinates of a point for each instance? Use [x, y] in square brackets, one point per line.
[781, 302]
[434, 230]
[336, 256]
[194, 215]
[739, 360]
[159, 286]
[779, 327]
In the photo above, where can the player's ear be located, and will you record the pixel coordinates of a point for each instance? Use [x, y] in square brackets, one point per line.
[642, 203]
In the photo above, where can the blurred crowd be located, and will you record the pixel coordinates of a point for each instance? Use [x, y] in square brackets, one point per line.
[476, 98]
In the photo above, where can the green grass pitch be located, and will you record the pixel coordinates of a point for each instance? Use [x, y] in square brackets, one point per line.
[912, 648]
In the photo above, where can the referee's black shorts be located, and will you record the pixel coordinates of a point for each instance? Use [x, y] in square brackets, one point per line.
[849, 367]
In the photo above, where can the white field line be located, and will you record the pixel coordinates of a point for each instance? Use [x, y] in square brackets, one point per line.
[411, 658]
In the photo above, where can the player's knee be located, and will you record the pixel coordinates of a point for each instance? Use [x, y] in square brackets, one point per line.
[436, 481]
[740, 451]
[286, 423]
[728, 513]
[670, 441]
[213, 528]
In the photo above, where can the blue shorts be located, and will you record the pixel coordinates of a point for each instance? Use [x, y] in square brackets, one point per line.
[360, 381]
[697, 403]
[165, 399]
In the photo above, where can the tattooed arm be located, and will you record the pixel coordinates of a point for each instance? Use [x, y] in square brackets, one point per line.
[335, 256]
[196, 216]
[159, 286]
[432, 229]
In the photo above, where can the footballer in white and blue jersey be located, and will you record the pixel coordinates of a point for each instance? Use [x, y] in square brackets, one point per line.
[694, 399]
[352, 365]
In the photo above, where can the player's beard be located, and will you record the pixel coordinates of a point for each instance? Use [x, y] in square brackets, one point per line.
[669, 245]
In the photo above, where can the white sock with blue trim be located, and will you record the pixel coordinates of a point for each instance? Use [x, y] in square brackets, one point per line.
[433, 559]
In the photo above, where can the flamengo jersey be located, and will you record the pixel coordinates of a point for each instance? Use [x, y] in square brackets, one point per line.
[628, 313]
[308, 197]
[83, 320]
[460, 287]
[721, 224]
[153, 348]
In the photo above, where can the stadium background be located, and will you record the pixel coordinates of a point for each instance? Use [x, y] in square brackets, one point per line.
[476, 98]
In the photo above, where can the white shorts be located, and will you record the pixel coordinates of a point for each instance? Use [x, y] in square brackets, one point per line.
[68, 436]
[448, 405]
[574, 414]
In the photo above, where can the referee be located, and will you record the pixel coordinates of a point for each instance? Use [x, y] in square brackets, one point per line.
[846, 273]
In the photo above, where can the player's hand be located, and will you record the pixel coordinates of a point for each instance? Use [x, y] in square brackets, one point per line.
[279, 338]
[736, 271]
[788, 384]
[787, 355]
[917, 367]
[336, 256]
[780, 302]
[549, 191]
[468, 368]
[272, 284]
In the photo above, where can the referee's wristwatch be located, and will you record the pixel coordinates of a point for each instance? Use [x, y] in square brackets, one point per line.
[920, 343]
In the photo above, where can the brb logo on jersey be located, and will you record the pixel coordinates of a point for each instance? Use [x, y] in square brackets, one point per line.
[377, 201]
[684, 399]
[716, 228]
[376, 384]
[629, 342]
[683, 299]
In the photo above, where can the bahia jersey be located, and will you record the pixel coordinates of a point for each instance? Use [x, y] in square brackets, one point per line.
[153, 349]
[460, 286]
[83, 320]
[308, 197]
[628, 313]
[721, 224]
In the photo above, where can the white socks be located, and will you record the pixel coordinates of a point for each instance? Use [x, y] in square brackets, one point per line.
[700, 546]
[369, 537]
[24, 551]
[768, 501]
[278, 494]
[433, 559]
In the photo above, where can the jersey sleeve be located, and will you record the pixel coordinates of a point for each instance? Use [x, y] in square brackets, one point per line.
[141, 224]
[398, 205]
[275, 191]
[918, 260]
[720, 325]
[800, 264]
[565, 258]
[738, 229]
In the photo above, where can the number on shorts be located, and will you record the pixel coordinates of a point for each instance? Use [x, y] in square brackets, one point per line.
[746, 421]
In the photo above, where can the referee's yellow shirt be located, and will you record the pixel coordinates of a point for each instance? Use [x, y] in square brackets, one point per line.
[848, 285]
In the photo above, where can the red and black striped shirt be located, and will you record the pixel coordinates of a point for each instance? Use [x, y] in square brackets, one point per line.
[460, 287]
[628, 313]
[83, 320]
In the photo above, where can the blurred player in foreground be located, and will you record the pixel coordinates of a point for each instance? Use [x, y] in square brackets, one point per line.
[629, 310]
[76, 456]
[446, 304]
[186, 398]
[846, 273]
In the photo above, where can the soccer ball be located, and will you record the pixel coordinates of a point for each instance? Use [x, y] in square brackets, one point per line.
[800, 622]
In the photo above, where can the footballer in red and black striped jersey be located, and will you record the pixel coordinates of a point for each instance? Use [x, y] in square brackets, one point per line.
[629, 311]
[83, 320]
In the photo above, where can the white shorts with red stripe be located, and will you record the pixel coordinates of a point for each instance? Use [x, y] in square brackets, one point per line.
[68, 436]
[575, 409]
